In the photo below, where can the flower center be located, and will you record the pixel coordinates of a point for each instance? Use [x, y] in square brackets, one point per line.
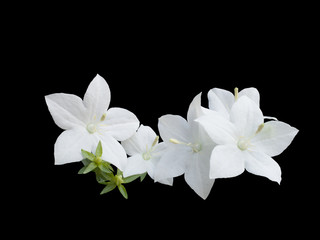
[91, 128]
[243, 144]
[146, 155]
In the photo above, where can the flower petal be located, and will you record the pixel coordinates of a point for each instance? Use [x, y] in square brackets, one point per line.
[274, 138]
[226, 161]
[112, 151]
[251, 93]
[135, 165]
[195, 109]
[197, 173]
[246, 116]
[263, 165]
[97, 97]
[137, 144]
[173, 162]
[221, 101]
[174, 126]
[168, 181]
[120, 123]
[67, 110]
[220, 130]
[67, 148]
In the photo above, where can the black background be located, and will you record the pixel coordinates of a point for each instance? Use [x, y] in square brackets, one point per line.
[155, 65]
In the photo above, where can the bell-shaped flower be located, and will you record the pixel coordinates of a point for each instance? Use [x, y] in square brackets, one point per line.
[87, 121]
[221, 100]
[246, 142]
[189, 149]
[145, 152]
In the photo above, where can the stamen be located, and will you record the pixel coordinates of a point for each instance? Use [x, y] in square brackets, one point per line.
[260, 128]
[196, 147]
[155, 141]
[103, 117]
[175, 141]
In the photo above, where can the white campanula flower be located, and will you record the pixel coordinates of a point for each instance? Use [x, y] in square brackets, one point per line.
[87, 121]
[221, 100]
[145, 152]
[189, 149]
[245, 141]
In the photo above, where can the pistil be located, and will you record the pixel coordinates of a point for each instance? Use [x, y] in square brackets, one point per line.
[91, 128]
[236, 91]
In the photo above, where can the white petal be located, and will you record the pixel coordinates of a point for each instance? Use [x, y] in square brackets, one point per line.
[168, 181]
[112, 151]
[274, 138]
[120, 123]
[197, 173]
[221, 101]
[226, 161]
[195, 109]
[251, 93]
[97, 97]
[135, 165]
[137, 144]
[157, 152]
[174, 126]
[246, 116]
[67, 110]
[68, 146]
[173, 162]
[220, 130]
[263, 165]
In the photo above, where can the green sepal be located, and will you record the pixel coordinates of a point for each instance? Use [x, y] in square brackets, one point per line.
[99, 150]
[131, 178]
[109, 187]
[102, 177]
[142, 176]
[105, 167]
[86, 162]
[119, 172]
[87, 155]
[123, 191]
[90, 167]
[82, 170]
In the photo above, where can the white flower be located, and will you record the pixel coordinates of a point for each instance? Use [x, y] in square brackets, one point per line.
[221, 100]
[87, 121]
[246, 142]
[189, 149]
[145, 152]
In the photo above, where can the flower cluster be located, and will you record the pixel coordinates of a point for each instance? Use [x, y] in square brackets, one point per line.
[216, 142]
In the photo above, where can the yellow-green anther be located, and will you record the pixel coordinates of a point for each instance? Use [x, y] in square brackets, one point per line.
[103, 117]
[175, 141]
[155, 141]
[260, 128]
